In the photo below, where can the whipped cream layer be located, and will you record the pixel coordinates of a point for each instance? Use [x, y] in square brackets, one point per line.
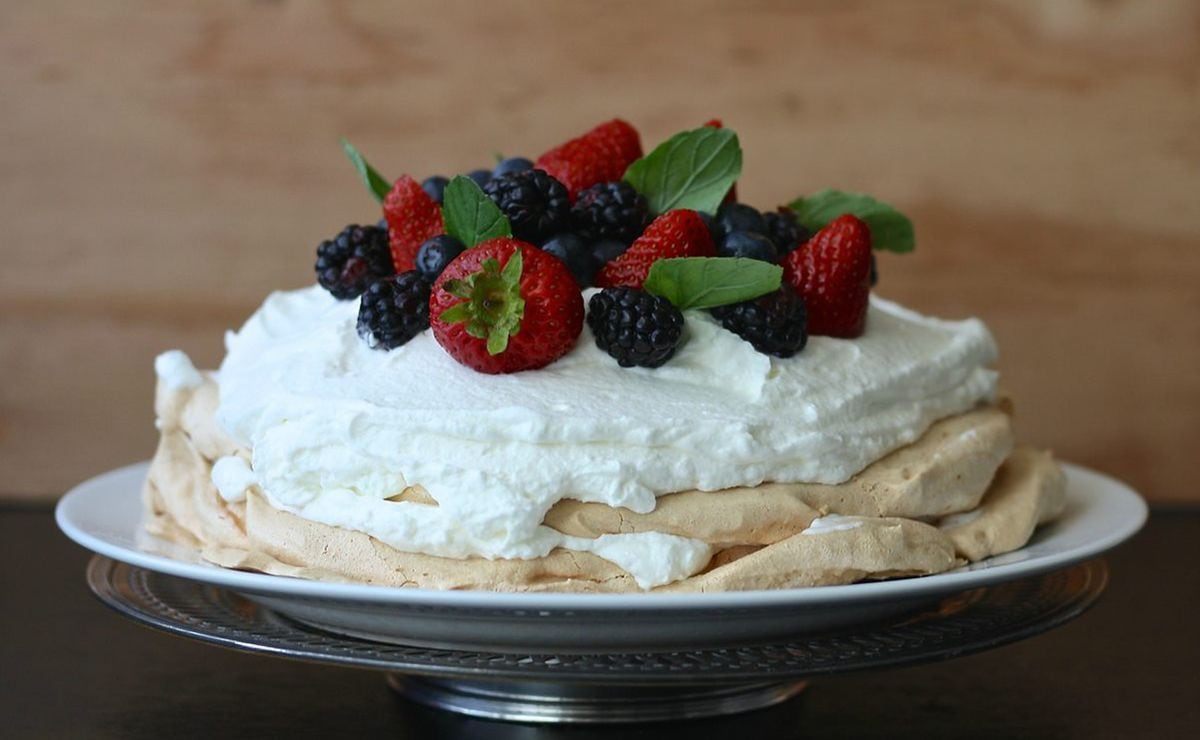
[336, 428]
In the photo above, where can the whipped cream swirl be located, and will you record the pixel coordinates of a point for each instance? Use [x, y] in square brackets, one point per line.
[336, 429]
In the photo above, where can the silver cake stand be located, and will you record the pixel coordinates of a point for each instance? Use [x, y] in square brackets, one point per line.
[706, 681]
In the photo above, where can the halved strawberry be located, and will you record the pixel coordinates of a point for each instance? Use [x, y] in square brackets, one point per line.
[505, 306]
[412, 217]
[601, 155]
[678, 233]
[832, 270]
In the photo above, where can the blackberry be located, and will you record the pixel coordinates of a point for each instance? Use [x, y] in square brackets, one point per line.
[511, 165]
[750, 245]
[634, 327]
[874, 271]
[733, 217]
[535, 203]
[394, 310]
[776, 323]
[785, 230]
[352, 260]
[435, 187]
[610, 210]
[575, 254]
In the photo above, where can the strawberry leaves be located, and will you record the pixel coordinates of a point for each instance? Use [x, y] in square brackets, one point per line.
[692, 169]
[492, 306]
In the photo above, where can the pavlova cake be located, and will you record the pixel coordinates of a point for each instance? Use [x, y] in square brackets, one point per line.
[597, 372]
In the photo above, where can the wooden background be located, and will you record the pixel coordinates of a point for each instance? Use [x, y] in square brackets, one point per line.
[164, 166]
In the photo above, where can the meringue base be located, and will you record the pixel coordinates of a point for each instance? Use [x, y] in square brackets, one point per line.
[958, 494]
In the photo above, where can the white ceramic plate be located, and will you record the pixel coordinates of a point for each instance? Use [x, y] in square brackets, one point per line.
[104, 515]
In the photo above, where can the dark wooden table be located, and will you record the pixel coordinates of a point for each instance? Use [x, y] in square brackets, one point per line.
[70, 668]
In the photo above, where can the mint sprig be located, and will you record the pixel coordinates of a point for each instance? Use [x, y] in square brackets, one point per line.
[890, 230]
[469, 215]
[705, 282]
[375, 182]
[692, 169]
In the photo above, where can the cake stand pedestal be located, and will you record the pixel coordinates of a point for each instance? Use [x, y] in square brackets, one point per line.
[600, 687]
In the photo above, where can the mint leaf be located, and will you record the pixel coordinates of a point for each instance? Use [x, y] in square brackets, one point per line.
[375, 182]
[470, 216]
[692, 169]
[890, 229]
[704, 282]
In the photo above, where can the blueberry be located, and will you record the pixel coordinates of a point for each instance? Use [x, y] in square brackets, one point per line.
[740, 217]
[481, 177]
[435, 186]
[714, 228]
[607, 250]
[436, 253]
[512, 164]
[748, 244]
[575, 255]
[382, 223]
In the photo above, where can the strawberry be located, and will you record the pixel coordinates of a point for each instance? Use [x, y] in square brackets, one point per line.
[731, 196]
[832, 270]
[412, 217]
[678, 233]
[505, 306]
[601, 155]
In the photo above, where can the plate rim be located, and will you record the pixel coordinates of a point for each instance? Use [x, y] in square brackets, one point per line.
[1116, 492]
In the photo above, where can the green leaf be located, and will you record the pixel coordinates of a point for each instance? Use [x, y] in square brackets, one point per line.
[375, 182]
[890, 229]
[470, 216]
[705, 282]
[692, 169]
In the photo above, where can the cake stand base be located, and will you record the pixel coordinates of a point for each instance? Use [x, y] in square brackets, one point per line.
[536, 701]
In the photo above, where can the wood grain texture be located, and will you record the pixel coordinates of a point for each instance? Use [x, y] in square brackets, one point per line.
[164, 166]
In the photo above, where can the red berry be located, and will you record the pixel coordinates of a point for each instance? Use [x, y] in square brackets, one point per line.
[678, 233]
[601, 155]
[731, 196]
[505, 306]
[832, 270]
[412, 217]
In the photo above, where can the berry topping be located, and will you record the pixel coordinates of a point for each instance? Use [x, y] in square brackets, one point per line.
[607, 250]
[635, 327]
[601, 155]
[773, 323]
[435, 254]
[505, 306]
[412, 216]
[575, 254]
[352, 260]
[785, 230]
[394, 310]
[480, 177]
[435, 186]
[733, 217]
[535, 204]
[511, 165]
[832, 271]
[679, 233]
[610, 210]
[748, 244]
